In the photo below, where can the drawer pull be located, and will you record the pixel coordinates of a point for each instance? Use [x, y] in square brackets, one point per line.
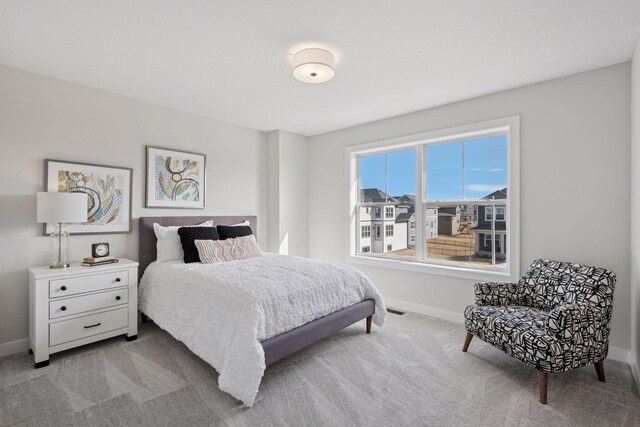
[63, 288]
[93, 326]
[117, 279]
[118, 298]
[63, 308]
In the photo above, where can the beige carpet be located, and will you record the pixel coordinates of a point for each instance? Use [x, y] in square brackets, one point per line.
[410, 372]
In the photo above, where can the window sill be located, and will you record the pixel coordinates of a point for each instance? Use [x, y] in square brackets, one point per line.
[432, 268]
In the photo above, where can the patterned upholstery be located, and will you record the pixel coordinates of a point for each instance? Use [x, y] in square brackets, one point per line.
[557, 317]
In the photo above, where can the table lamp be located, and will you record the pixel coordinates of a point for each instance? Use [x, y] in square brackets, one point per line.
[60, 209]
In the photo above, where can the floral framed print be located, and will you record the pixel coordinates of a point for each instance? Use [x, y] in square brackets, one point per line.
[108, 190]
[175, 179]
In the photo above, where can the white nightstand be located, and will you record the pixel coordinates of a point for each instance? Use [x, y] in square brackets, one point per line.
[78, 305]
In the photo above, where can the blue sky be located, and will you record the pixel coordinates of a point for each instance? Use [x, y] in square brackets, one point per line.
[485, 170]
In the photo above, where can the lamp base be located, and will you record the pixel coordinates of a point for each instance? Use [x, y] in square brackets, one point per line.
[59, 265]
[59, 255]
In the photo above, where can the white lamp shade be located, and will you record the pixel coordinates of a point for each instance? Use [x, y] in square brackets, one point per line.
[313, 65]
[61, 207]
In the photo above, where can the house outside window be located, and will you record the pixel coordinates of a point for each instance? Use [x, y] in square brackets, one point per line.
[366, 249]
[441, 189]
[366, 231]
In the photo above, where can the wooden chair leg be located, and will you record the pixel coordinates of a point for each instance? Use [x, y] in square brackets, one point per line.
[467, 341]
[542, 386]
[600, 370]
[369, 319]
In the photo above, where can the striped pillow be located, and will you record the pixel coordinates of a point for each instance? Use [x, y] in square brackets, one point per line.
[211, 251]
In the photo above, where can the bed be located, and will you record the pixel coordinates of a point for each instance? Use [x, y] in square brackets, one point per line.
[247, 331]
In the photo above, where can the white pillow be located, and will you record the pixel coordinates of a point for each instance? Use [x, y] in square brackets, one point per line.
[245, 222]
[169, 247]
[212, 251]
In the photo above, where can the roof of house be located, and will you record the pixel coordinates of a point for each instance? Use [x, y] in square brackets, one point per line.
[374, 195]
[498, 194]
[407, 198]
[404, 217]
[486, 226]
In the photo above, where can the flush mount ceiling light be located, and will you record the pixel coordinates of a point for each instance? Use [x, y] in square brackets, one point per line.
[313, 65]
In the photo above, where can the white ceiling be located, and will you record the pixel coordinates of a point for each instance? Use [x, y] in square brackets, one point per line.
[231, 60]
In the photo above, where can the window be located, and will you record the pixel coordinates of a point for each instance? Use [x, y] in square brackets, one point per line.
[383, 185]
[487, 241]
[456, 186]
[366, 249]
[388, 230]
[488, 213]
[366, 231]
[388, 212]
[389, 247]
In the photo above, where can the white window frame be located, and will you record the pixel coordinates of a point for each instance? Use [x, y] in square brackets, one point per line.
[367, 251]
[488, 209]
[497, 240]
[388, 212]
[388, 230]
[389, 248]
[365, 231]
[510, 127]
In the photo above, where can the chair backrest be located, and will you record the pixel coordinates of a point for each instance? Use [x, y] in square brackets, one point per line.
[547, 284]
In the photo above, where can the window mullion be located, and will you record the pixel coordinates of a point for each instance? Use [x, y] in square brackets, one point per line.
[421, 242]
[494, 213]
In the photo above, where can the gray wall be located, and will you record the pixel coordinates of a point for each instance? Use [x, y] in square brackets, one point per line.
[575, 144]
[635, 214]
[287, 194]
[43, 118]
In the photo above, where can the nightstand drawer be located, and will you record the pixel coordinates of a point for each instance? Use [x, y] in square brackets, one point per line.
[82, 303]
[82, 327]
[95, 282]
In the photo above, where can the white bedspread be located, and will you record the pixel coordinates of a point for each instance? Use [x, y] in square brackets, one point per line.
[222, 311]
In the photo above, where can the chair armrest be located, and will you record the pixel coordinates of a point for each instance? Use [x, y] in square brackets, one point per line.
[496, 293]
[565, 322]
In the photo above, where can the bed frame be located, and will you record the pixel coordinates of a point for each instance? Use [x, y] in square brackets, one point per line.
[282, 345]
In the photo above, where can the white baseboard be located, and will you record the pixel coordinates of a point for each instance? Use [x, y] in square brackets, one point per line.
[636, 373]
[615, 353]
[426, 310]
[619, 354]
[14, 347]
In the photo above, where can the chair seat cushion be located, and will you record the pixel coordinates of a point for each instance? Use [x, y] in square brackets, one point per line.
[520, 332]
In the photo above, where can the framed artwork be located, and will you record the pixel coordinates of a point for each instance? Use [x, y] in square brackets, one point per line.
[108, 190]
[175, 179]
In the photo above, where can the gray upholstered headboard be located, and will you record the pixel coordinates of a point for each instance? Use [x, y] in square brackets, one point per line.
[147, 237]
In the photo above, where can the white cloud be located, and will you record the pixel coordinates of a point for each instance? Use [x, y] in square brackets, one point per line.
[486, 170]
[483, 188]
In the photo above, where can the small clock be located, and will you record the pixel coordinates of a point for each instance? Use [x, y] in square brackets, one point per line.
[99, 250]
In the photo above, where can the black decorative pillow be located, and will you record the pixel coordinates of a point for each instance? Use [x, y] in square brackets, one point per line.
[233, 231]
[187, 237]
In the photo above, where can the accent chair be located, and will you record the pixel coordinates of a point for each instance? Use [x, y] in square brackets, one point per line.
[557, 317]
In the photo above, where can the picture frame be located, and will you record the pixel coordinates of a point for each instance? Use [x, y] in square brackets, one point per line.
[109, 193]
[175, 179]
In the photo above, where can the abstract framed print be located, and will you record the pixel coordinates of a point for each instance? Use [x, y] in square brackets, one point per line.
[108, 190]
[175, 179]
